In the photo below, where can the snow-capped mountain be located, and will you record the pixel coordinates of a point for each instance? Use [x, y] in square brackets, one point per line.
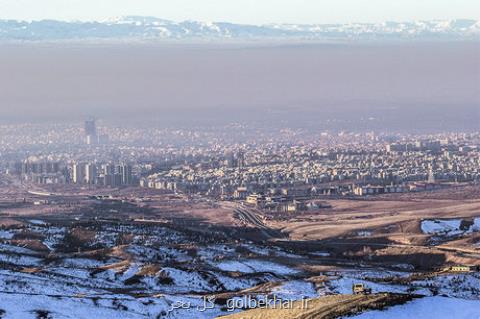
[150, 28]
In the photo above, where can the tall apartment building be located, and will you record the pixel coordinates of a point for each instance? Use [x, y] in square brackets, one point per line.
[78, 173]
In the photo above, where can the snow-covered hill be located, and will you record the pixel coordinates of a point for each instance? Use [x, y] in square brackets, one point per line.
[150, 28]
[432, 307]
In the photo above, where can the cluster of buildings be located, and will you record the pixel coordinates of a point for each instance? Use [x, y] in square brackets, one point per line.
[278, 174]
[83, 168]
[43, 171]
[112, 175]
[276, 169]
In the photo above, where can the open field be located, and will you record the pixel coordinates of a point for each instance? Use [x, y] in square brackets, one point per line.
[379, 216]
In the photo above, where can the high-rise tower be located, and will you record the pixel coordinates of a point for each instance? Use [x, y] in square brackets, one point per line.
[91, 131]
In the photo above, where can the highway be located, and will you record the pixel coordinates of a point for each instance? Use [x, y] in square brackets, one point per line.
[249, 217]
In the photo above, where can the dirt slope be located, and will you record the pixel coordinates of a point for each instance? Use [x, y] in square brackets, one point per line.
[328, 307]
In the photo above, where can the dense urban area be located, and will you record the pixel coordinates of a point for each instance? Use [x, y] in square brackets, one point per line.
[279, 170]
[201, 222]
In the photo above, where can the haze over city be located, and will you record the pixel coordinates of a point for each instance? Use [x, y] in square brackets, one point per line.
[392, 83]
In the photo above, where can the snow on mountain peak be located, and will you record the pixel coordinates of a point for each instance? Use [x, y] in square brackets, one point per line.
[140, 27]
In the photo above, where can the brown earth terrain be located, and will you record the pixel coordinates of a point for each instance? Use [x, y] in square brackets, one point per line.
[325, 307]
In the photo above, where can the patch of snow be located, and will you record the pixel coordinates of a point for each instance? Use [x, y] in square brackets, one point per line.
[253, 266]
[232, 284]
[428, 308]
[212, 251]
[5, 234]
[17, 249]
[53, 237]
[449, 227]
[364, 233]
[476, 225]
[321, 254]
[20, 260]
[23, 306]
[295, 290]
[37, 222]
[465, 286]
[82, 263]
[131, 271]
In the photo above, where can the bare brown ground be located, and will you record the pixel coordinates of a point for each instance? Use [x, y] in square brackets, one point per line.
[263, 289]
[8, 222]
[379, 216]
[216, 216]
[325, 307]
[387, 229]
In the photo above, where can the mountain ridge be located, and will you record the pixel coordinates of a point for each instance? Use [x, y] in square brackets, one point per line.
[152, 28]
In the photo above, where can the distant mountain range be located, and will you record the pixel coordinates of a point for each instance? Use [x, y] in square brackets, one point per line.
[150, 28]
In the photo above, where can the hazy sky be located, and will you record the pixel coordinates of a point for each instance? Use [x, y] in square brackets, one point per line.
[414, 84]
[245, 11]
